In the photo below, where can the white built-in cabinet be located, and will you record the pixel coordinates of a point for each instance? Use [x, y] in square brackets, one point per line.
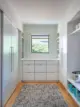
[10, 59]
[73, 57]
[40, 70]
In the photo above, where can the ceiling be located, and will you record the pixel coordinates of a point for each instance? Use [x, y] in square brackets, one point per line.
[40, 11]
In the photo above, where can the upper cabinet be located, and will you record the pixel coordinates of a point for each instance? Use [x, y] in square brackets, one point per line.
[74, 25]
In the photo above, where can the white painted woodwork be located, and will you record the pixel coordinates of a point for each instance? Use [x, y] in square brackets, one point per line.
[28, 62]
[40, 70]
[28, 66]
[28, 76]
[40, 76]
[40, 66]
[10, 59]
[52, 76]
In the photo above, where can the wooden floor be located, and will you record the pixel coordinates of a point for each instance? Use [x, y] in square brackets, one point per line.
[66, 96]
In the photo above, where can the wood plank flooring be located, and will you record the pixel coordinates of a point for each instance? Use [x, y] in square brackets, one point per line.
[65, 94]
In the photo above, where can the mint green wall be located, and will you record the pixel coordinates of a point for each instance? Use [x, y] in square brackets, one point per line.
[50, 30]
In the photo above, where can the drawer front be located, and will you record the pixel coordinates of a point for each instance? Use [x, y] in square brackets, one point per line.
[52, 76]
[55, 62]
[28, 68]
[28, 62]
[28, 76]
[40, 76]
[52, 68]
[40, 62]
[40, 68]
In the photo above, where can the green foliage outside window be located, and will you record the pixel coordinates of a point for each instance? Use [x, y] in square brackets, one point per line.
[40, 45]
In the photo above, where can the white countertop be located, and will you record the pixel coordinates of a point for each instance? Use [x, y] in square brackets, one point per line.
[39, 59]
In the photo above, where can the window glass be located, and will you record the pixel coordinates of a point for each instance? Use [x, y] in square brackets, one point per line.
[40, 43]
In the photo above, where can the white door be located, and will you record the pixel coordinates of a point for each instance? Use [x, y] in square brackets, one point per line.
[14, 42]
[7, 32]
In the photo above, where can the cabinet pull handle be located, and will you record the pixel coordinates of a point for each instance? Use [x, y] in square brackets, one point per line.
[11, 58]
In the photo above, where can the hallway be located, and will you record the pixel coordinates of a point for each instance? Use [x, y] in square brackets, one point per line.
[39, 53]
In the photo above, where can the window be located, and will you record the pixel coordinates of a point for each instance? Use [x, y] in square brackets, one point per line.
[40, 43]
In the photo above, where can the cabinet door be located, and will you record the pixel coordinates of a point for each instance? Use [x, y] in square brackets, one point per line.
[28, 66]
[14, 43]
[52, 66]
[40, 66]
[7, 31]
[52, 76]
[28, 76]
[40, 76]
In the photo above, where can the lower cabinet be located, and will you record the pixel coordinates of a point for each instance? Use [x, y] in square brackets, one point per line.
[40, 70]
[28, 76]
[40, 76]
[52, 76]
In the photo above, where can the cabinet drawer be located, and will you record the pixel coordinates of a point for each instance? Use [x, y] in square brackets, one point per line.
[40, 62]
[52, 68]
[40, 68]
[55, 62]
[28, 68]
[40, 76]
[28, 76]
[52, 76]
[28, 62]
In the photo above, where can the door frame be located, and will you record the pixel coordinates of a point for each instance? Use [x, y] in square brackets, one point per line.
[1, 57]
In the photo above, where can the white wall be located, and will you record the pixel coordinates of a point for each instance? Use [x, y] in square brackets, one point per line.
[11, 13]
[70, 13]
[51, 30]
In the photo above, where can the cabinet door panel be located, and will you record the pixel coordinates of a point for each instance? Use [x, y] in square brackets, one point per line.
[53, 62]
[52, 68]
[15, 54]
[28, 68]
[28, 62]
[28, 76]
[40, 68]
[40, 76]
[52, 76]
[40, 62]
[6, 70]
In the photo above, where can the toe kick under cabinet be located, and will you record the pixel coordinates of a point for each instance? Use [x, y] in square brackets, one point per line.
[40, 70]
